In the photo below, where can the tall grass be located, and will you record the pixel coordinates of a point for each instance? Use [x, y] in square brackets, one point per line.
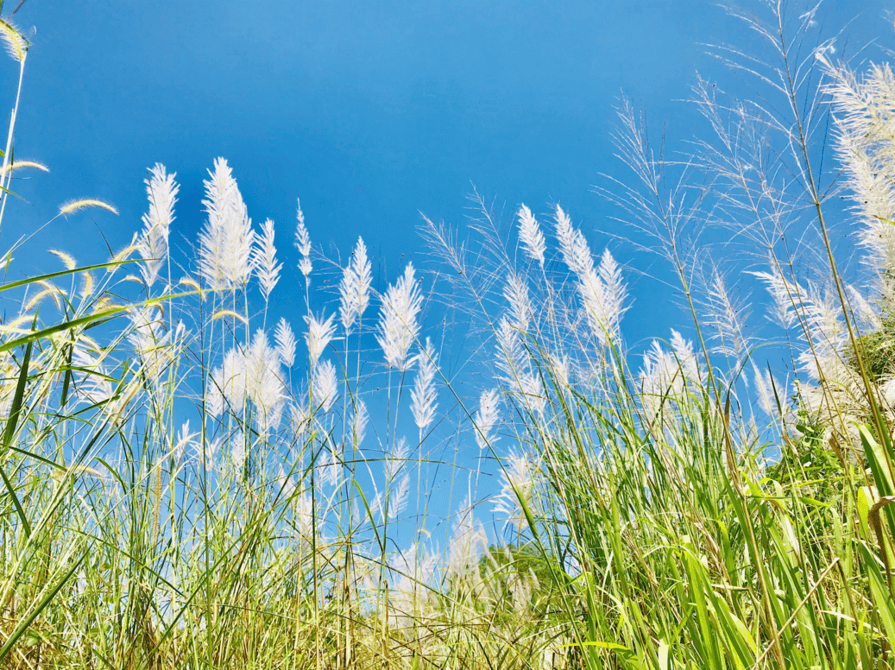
[188, 484]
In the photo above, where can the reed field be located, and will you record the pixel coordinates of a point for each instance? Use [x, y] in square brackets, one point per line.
[466, 465]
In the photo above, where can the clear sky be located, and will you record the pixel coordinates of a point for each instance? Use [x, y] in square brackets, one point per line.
[368, 111]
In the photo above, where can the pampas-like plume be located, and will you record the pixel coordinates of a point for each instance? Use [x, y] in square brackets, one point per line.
[785, 293]
[575, 250]
[319, 335]
[359, 422]
[531, 236]
[601, 290]
[162, 192]
[423, 395]
[398, 490]
[727, 318]
[487, 418]
[519, 484]
[325, 385]
[765, 385]
[516, 293]
[254, 375]
[354, 290]
[264, 258]
[467, 541]
[398, 325]
[303, 243]
[225, 243]
[866, 125]
[285, 340]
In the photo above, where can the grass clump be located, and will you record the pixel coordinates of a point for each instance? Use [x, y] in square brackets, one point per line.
[187, 485]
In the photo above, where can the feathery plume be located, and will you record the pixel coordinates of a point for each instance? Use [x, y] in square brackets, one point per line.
[319, 335]
[254, 375]
[265, 260]
[487, 418]
[423, 395]
[303, 244]
[25, 164]
[575, 250]
[153, 246]
[516, 293]
[519, 484]
[786, 293]
[325, 385]
[398, 489]
[75, 205]
[354, 290]
[727, 318]
[67, 259]
[359, 422]
[467, 540]
[531, 236]
[765, 385]
[225, 243]
[16, 45]
[398, 326]
[285, 340]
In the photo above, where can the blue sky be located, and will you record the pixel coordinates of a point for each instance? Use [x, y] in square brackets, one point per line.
[370, 112]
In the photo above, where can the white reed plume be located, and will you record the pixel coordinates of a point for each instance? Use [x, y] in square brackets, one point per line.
[423, 395]
[286, 483]
[285, 340]
[225, 243]
[865, 124]
[727, 317]
[467, 541]
[303, 244]
[786, 294]
[615, 293]
[156, 348]
[487, 418]
[254, 375]
[184, 440]
[765, 385]
[665, 375]
[359, 422]
[519, 484]
[511, 358]
[325, 385]
[93, 381]
[319, 335]
[602, 291]
[162, 191]
[397, 482]
[828, 335]
[531, 236]
[575, 250]
[265, 380]
[686, 357]
[516, 293]
[328, 468]
[212, 447]
[867, 316]
[265, 260]
[354, 290]
[398, 325]
[238, 452]
[413, 569]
